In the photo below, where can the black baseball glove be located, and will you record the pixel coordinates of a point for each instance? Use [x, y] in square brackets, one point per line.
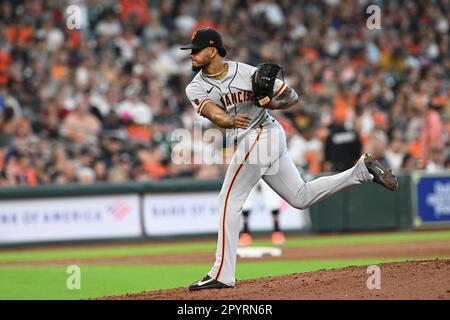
[263, 81]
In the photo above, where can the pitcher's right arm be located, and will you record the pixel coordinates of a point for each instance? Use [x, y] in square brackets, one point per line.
[224, 120]
[208, 109]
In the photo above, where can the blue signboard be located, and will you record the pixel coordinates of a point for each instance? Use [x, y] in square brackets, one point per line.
[433, 197]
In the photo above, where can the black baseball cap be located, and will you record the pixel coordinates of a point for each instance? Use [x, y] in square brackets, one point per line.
[203, 38]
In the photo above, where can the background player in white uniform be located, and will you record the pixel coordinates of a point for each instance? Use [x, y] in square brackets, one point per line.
[222, 92]
[273, 204]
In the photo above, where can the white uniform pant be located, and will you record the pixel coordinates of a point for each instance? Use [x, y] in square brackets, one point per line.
[262, 153]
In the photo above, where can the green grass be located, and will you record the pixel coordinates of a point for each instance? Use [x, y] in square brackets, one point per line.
[117, 251]
[141, 250]
[97, 281]
[368, 239]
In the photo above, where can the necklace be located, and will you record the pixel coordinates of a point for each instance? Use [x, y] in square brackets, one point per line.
[217, 74]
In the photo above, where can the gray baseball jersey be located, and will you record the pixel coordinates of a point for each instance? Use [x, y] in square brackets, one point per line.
[233, 94]
[261, 152]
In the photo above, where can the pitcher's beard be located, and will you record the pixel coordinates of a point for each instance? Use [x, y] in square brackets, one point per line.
[200, 68]
[197, 69]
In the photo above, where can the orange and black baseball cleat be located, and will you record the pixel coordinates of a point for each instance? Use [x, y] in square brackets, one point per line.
[245, 239]
[381, 174]
[278, 238]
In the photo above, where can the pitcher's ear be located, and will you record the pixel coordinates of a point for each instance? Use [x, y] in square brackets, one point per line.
[214, 51]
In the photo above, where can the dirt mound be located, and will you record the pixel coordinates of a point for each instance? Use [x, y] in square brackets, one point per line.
[404, 280]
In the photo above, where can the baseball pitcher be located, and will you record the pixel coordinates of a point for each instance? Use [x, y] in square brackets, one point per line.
[237, 97]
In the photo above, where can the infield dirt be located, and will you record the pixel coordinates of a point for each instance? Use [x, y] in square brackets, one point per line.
[403, 280]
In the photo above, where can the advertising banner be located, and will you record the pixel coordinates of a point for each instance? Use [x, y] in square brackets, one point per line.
[433, 198]
[74, 218]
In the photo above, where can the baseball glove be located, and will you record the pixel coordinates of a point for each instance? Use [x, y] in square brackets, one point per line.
[263, 81]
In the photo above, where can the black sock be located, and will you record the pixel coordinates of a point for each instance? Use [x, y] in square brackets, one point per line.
[245, 214]
[276, 226]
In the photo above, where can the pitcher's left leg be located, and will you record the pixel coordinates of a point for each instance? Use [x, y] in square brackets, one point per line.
[288, 183]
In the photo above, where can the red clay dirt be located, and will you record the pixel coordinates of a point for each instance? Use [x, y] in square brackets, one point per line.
[404, 280]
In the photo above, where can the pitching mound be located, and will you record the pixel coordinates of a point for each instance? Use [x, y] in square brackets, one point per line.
[404, 280]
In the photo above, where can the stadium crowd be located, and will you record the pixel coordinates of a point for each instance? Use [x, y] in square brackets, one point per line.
[101, 102]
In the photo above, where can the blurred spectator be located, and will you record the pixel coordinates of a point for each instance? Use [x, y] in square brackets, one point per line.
[124, 163]
[447, 163]
[128, 43]
[182, 171]
[136, 11]
[151, 160]
[207, 172]
[80, 126]
[117, 175]
[409, 163]
[19, 170]
[395, 151]
[109, 26]
[304, 147]
[377, 146]
[343, 146]
[431, 137]
[134, 109]
[99, 170]
[111, 147]
[85, 158]
[86, 176]
[69, 171]
[436, 159]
